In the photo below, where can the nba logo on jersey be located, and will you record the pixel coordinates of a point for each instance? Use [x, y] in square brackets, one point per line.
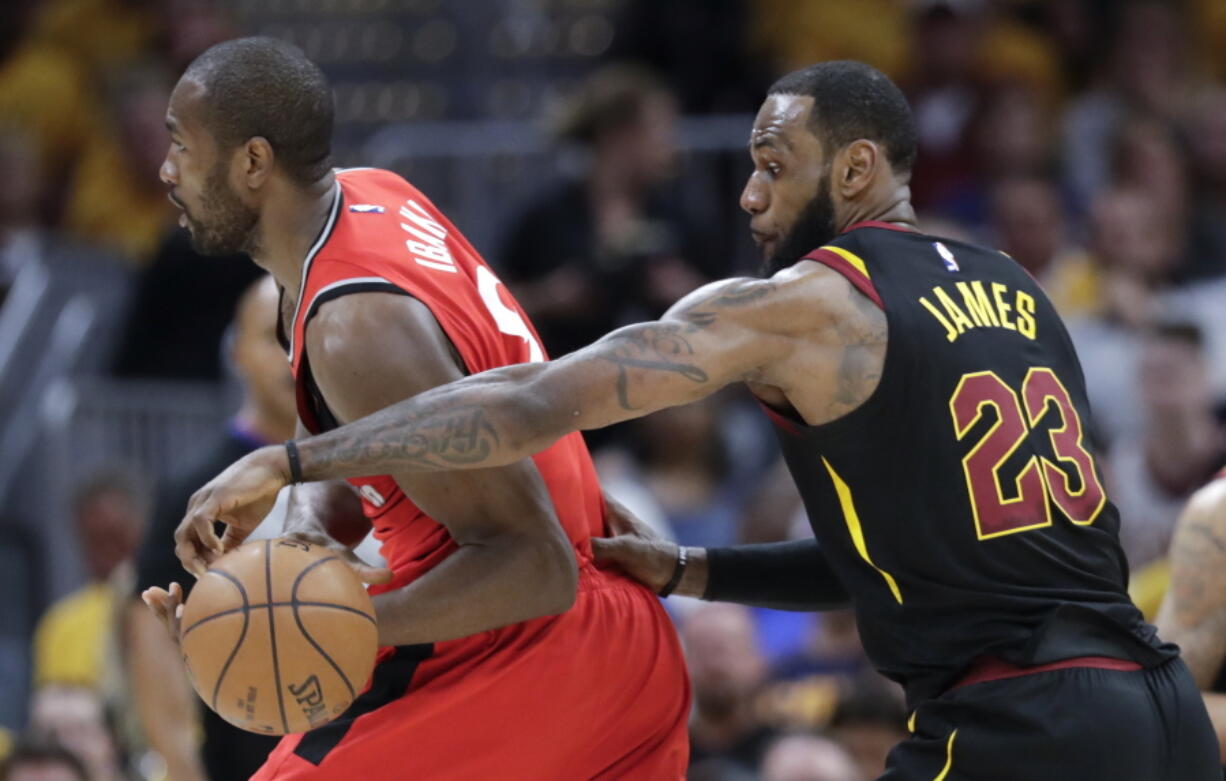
[369, 493]
[951, 263]
[366, 208]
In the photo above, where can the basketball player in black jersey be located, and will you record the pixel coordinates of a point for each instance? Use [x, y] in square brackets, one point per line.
[932, 412]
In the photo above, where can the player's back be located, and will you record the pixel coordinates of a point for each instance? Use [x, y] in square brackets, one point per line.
[961, 503]
[385, 235]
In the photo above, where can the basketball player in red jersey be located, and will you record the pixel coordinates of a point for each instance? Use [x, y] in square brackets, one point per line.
[506, 653]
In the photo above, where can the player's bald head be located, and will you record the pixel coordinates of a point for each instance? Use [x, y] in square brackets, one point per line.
[264, 87]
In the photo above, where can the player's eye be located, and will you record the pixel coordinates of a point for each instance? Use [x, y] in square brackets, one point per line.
[774, 169]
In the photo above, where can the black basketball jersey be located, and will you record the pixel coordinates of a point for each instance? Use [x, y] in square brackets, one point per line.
[961, 504]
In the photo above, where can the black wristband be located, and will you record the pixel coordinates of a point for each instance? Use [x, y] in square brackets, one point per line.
[295, 466]
[683, 558]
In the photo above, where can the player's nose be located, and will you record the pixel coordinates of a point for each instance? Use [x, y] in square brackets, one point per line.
[169, 172]
[753, 197]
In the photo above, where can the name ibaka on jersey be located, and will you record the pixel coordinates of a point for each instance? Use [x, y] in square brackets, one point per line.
[429, 243]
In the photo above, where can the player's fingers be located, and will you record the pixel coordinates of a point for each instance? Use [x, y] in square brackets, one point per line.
[609, 549]
[619, 519]
[233, 537]
[155, 598]
[373, 575]
[189, 554]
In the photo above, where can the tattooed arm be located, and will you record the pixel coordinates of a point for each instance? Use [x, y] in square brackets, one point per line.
[805, 334]
[1194, 613]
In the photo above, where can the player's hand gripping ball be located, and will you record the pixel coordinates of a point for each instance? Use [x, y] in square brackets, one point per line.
[279, 636]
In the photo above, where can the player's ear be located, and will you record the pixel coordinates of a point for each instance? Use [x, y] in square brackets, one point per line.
[257, 161]
[859, 160]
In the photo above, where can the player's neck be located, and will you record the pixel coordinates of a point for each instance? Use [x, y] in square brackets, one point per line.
[289, 224]
[889, 201]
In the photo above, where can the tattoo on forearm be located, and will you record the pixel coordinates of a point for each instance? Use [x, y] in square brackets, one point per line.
[455, 428]
[459, 436]
[661, 348]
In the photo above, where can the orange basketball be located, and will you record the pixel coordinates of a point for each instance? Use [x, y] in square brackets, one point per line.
[279, 636]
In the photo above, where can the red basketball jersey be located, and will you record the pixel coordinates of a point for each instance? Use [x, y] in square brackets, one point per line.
[383, 235]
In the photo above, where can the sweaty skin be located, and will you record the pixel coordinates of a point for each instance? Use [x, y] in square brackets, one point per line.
[805, 341]
[1193, 616]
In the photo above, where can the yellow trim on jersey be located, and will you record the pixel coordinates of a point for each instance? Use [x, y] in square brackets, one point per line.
[949, 757]
[851, 258]
[911, 721]
[852, 519]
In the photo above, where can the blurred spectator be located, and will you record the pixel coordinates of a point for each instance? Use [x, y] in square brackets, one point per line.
[808, 758]
[1028, 224]
[772, 512]
[958, 48]
[870, 720]
[76, 717]
[791, 35]
[1006, 137]
[41, 759]
[1135, 249]
[168, 710]
[726, 672]
[116, 198]
[98, 34]
[188, 27]
[74, 643]
[1145, 73]
[159, 340]
[1182, 444]
[611, 246]
[20, 237]
[1207, 135]
[682, 461]
[46, 97]
[806, 685]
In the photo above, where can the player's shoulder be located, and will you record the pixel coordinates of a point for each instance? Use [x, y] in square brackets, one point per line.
[799, 298]
[369, 322]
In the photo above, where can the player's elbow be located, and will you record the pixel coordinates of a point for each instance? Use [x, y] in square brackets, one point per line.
[557, 575]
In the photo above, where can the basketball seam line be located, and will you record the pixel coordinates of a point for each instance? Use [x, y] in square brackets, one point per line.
[272, 632]
[293, 595]
[225, 668]
[259, 605]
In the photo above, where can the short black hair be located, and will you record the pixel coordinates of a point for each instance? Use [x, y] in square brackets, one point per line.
[852, 100]
[261, 86]
[41, 750]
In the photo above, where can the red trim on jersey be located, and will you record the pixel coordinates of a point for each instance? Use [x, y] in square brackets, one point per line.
[857, 278]
[878, 224]
[989, 668]
[779, 418]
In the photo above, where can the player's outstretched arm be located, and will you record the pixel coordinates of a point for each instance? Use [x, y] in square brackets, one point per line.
[1194, 612]
[730, 331]
[720, 334]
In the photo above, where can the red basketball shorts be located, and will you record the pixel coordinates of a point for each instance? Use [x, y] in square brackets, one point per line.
[599, 692]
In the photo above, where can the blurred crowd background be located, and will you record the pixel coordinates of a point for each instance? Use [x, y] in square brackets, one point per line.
[593, 150]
